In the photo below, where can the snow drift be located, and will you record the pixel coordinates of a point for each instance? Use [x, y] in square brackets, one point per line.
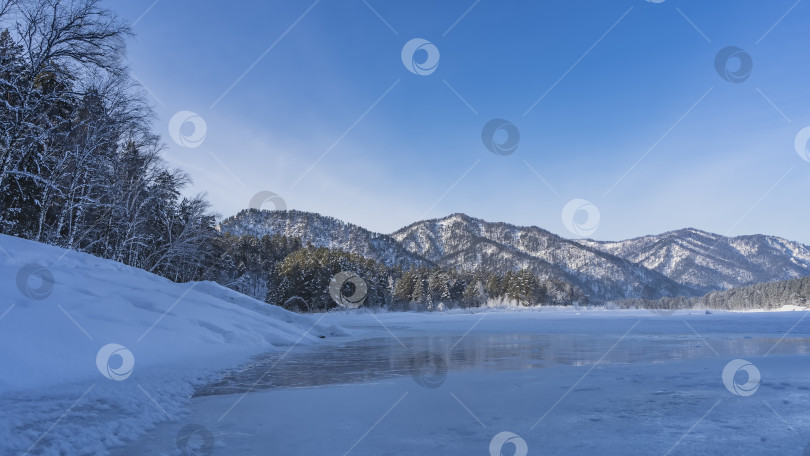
[81, 336]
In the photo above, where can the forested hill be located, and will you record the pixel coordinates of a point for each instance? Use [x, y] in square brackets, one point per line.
[686, 262]
[323, 231]
[467, 243]
[768, 295]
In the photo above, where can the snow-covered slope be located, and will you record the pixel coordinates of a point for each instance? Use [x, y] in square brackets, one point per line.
[706, 261]
[52, 337]
[464, 242]
[322, 231]
[679, 263]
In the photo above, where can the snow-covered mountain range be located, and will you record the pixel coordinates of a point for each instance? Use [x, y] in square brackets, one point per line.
[707, 261]
[463, 242]
[686, 262]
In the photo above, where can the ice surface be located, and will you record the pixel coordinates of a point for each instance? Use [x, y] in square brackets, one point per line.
[594, 382]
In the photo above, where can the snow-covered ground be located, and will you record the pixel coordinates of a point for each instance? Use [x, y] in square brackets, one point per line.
[63, 392]
[494, 381]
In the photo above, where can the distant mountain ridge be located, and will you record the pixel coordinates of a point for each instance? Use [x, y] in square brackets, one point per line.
[464, 242]
[323, 231]
[707, 261]
[685, 262]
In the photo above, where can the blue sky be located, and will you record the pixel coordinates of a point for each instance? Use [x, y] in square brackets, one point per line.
[632, 114]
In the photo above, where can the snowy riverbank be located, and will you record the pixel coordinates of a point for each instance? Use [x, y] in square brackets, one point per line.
[62, 393]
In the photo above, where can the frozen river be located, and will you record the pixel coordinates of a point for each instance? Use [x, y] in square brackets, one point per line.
[514, 383]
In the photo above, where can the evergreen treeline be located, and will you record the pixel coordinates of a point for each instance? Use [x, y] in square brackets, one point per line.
[79, 162]
[767, 295]
[283, 272]
[244, 263]
[301, 281]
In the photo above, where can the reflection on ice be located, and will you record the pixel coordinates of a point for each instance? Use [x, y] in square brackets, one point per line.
[375, 359]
